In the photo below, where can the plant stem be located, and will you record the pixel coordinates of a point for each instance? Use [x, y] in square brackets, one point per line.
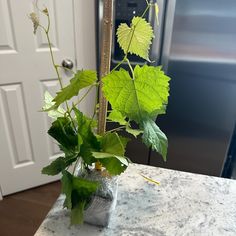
[53, 62]
[123, 60]
[83, 97]
[145, 11]
[133, 78]
[116, 129]
[56, 67]
[69, 70]
[131, 68]
[95, 104]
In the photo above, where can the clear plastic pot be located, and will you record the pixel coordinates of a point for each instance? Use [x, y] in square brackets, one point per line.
[102, 204]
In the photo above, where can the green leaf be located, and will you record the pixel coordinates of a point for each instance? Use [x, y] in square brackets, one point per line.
[81, 194]
[55, 167]
[77, 190]
[94, 123]
[90, 142]
[134, 132]
[68, 152]
[60, 164]
[136, 38]
[111, 143]
[62, 131]
[67, 186]
[84, 125]
[114, 164]
[116, 116]
[77, 213]
[140, 99]
[153, 137]
[69, 159]
[81, 79]
[80, 142]
[48, 103]
[102, 155]
[112, 153]
[85, 188]
[86, 154]
[124, 141]
[146, 94]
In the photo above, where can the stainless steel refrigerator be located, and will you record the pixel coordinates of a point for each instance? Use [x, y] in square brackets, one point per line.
[195, 42]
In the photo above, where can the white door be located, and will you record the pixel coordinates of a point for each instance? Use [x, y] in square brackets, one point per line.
[25, 73]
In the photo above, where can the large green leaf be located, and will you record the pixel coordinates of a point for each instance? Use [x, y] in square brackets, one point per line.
[59, 164]
[112, 153]
[55, 167]
[114, 164]
[81, 79]
[146, 94]
[86, 153]
[81, 194]
[84, 187]
[153, 137]
[103, 155]
[62, 131]
[124, 141]
[78, 192]
[66, 188]
[140, 99]
[85, 133]
[136, 38]
[111, 143]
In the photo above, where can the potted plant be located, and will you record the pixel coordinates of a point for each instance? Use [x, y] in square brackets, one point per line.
[97, 155]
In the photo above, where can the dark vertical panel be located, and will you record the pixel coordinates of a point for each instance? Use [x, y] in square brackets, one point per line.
[202, 63]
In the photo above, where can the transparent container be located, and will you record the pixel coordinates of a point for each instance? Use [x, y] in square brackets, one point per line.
[102, 204]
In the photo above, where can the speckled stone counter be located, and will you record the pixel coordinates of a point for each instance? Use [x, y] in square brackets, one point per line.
[183, 204]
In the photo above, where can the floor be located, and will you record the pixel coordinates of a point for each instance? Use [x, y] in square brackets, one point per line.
[22, 213]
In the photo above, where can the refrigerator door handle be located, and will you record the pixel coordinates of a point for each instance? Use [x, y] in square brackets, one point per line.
[155, 53]
[167, 33]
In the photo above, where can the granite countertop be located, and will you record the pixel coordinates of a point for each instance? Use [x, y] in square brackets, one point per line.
[183, 204]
